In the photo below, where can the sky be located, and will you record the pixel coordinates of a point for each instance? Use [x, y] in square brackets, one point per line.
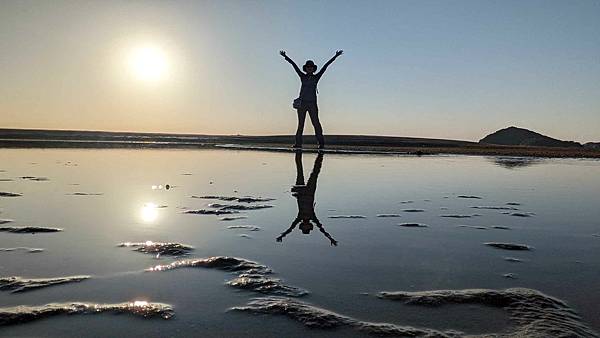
[423, 68]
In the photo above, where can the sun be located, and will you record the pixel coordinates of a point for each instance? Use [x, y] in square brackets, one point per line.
[148, 63]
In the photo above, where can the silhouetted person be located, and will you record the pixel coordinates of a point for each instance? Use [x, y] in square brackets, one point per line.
[308, 97]
[305, 195]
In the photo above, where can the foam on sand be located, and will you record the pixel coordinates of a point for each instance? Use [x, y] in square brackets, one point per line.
[20, 284]
[4, 221]
[315, 317]
[22, 314]
[509, 246]
[534, 313]
[159, 248]
[29, 229]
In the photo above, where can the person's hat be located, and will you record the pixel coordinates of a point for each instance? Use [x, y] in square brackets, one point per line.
[309, 63]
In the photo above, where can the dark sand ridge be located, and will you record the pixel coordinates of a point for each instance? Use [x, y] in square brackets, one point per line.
[509, 246]
[413, 225]
[245, 227]
[347, 216]
[243, 199]
[9, 194]
[459, 216]
[239, 206]
[29, 229]
[35, 178]
[23, 313]
[20, 284]
[24, 248]
[31, 138]
[232, 218]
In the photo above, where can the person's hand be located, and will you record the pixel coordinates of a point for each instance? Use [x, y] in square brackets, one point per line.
[278, 239]
[339, 52]
[334, 242]
[282, 52]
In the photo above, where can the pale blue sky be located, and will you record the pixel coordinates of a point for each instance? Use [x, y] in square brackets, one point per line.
[446, 69]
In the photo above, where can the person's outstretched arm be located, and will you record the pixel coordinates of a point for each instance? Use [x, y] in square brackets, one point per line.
[285, 233]
[291, 62]
[338, 53]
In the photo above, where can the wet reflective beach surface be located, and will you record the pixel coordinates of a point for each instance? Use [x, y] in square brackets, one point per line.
[237, 243]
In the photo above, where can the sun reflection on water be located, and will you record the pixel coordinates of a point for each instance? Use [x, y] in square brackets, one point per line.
[149, 212]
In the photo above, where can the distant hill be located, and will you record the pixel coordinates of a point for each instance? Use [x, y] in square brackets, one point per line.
[513, 136]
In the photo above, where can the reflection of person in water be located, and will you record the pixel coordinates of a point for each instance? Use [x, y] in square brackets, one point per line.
[305, 195]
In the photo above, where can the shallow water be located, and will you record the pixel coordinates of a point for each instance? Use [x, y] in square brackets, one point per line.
[341, 267]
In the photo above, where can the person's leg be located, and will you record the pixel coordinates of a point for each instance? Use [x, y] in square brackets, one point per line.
[299, 168]
[313, 111]
[301, 117]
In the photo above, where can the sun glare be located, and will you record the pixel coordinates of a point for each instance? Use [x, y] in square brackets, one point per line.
[148, 63]
[149, 212]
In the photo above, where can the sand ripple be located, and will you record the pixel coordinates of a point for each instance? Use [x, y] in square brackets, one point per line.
[159, 248]
[22, 314]
[264, 284]
[315, 317]
[251, 275]
[19, 284]
[534, 313]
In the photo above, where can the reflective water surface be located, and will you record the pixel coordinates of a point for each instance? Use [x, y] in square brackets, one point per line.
[264, 242]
